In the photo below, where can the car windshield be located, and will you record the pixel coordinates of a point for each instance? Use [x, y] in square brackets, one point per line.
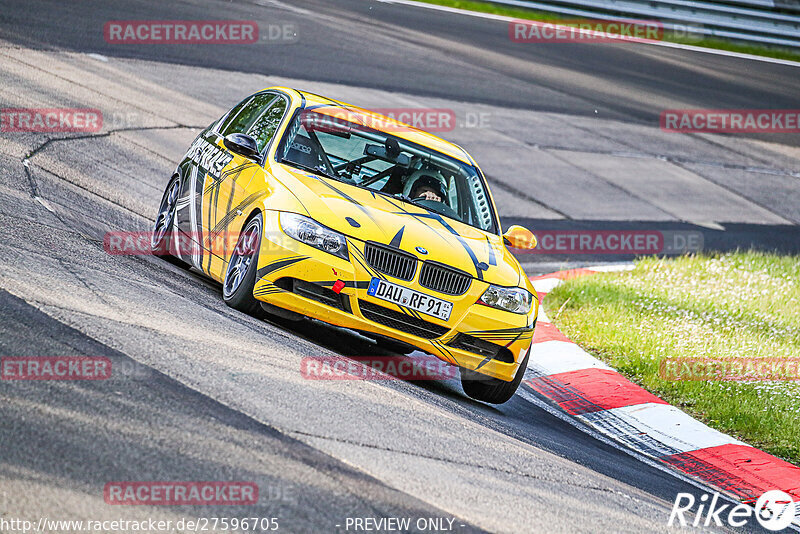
[374, 159]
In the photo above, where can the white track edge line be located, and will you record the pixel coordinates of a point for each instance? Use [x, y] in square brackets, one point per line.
[646, 459]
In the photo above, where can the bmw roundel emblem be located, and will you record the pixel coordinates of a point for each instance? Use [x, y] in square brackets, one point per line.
[421, 250]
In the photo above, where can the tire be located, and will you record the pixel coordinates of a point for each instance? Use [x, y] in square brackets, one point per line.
[240, 277]
[161, 240]
[492, 390]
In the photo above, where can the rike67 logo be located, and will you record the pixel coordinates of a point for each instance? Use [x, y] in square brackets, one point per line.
[774, 510]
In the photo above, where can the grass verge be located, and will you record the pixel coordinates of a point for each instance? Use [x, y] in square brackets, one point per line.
[736, 305]
[705, 42]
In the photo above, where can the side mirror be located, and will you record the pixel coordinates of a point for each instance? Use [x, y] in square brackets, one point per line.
[519, 237]
[241, 144]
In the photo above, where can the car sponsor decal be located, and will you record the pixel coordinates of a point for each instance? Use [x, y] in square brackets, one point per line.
[211, 191]
[208, 156]
[206, 159]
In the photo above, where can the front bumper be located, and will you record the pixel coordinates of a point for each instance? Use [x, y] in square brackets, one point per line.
[301, 278]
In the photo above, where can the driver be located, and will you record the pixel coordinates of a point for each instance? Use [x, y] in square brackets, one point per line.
[427, 187]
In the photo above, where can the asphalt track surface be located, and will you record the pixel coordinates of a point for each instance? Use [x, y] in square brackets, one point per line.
[211, 394]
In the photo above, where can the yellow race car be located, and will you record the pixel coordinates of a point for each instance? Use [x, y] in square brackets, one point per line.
[304, 206]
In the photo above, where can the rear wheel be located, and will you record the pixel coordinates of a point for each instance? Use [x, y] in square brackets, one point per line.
[240, 278]
[492, 390]
[162, 240]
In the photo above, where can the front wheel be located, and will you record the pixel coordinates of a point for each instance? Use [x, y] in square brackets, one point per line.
[492, 390]
[240, 278]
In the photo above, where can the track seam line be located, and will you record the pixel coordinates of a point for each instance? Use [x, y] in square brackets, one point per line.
[618, 187]
[676, 161]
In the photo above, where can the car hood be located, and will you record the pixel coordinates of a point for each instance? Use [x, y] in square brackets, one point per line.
[367, 216]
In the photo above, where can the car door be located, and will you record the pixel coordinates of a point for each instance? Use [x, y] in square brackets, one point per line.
[229, 194]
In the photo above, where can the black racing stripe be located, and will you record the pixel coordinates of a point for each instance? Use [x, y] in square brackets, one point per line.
[492, 259]
[479, 266]
[398, 237]
[214, 189]
[484, 362]
[409, 311]
[345, 196]
[228, 213]
[393, 203]
[224, 175]
[449, 337]
[198, 215]
[266, 287]
[223, 223]
[265, 293]
[502, 330]
[497, 340]
[470, 252]
[212, 211]
[513, 340]
[444, 350]
[359, 257]
[280, 264]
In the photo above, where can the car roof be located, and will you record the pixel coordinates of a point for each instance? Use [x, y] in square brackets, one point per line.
[407, 132]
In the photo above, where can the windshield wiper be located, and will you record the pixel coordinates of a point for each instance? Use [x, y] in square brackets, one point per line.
[312, 169]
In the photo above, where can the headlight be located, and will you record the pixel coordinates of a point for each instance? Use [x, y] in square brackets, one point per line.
[513, 299]
[312, 233]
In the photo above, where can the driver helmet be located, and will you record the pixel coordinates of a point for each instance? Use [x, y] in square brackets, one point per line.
[428, 178]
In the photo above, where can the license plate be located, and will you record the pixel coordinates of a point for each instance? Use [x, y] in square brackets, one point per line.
[409, 298]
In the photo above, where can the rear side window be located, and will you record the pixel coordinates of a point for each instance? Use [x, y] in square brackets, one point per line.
[263, 128]
[242, 117]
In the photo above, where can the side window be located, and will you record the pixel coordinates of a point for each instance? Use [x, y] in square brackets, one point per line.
[263, 128]
[245, 114]
[232, 114]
